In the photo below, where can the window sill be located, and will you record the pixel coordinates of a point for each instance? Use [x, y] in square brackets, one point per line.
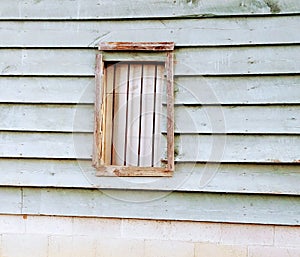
[122, 171]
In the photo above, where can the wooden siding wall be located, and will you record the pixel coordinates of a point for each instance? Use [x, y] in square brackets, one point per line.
[237, 106]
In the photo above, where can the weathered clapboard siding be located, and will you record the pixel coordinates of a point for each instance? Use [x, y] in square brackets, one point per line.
[91, 9]
[189, 90]
[189, 61]
[238, 90]
[266, 209]
[214, 148]
[188, 119]
[241, 57]
[45, 145]
[47, 89]
[229, 148]
[237, 119]
[189, 32]
[36, 117]
[236, 178]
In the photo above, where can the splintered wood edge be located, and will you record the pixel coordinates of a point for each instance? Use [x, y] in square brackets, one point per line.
[136, 46]
[121, 171]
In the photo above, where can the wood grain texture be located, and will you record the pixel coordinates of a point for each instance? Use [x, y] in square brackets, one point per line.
[189, 61]
[189, 90]
[136, 46]
[133, 171]
[92, 9]
[163, 205]
[184, 32]
[235, 178]
[97, 139]
[170, 110]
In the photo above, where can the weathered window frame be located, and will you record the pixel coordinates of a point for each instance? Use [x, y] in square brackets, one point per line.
[154, 51]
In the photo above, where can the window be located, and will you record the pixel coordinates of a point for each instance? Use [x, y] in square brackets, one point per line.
[131, 79]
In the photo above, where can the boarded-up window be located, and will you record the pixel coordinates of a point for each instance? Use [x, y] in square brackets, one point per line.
[128, 117]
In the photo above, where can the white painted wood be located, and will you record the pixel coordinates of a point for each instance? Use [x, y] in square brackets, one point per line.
[37, 117]
[237, 148]
[237, 119]
[235, 178]
[120, 114]
[278, 119]
[11, 200]
[238, 60]
[135, 75]
[189, 90]
[47, 89]
[184, 32]
[147, 116]
[160, 86]
[47, 62]
[108, 113]
[238, 90]
[92, 9]
[49, 145]
[265, 209]
[189, 61]
[215, 148]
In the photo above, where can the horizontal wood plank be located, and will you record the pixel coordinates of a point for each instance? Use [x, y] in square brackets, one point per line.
[47, 89]
[212, 148]
[188, 90]
[237, 119]
[235, 178]
[279, 119]
[189, 61]
[184, 32]
[238, 90]
[92, 9]
[163, 205]
[237, 148]
[49, 145]
[37, 117]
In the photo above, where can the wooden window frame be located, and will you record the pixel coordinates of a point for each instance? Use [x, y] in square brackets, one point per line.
[132, 47]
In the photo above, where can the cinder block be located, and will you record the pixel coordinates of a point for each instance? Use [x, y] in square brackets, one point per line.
[287, 236]
[21, 245]
[99, 227]
[72, 246]
[146, 229]
[216, 250]
[195, 231]
[12, 224]
[49, 225]
[158, 248]
[242, 234]
[120, 247]
[267, 251]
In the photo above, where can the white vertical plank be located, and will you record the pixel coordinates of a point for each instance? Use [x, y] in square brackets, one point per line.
[133, 115]
[147, 115]
[120, 114]
[108, 113]
[158, 116]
